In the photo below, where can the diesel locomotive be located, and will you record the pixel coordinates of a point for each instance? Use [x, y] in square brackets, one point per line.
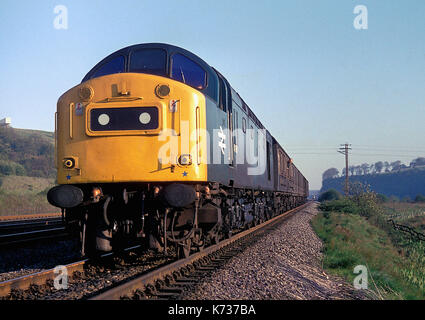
[154, 146]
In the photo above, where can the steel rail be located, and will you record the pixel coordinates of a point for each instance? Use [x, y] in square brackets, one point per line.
[150, 278]
[30, 216]
[40, 278]
[8, 229]
[30, 230]
[29, 222]
[32, 236]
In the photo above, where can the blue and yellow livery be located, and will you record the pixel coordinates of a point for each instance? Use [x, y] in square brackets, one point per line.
[154, 145]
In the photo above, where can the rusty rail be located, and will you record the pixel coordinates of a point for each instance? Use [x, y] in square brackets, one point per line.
[30, 216]
[38, 278]
[14, 232]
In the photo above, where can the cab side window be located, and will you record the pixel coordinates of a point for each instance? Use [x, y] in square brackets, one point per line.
[223, 96]
[187, 71]
[116, 65]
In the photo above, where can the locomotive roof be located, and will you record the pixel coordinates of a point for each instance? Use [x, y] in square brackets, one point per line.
[211, 90]
[171, 49]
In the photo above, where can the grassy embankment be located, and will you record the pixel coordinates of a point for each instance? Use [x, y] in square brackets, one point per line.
[24, 195]
[355, 232]
[27, 170]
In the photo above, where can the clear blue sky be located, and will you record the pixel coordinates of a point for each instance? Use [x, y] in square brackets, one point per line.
[311, 77]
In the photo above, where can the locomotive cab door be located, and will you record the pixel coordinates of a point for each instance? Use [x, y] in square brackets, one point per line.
[226, 106]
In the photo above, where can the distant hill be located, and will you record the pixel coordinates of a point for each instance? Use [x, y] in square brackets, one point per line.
[404, 183]
[27, 171]
[27, 153]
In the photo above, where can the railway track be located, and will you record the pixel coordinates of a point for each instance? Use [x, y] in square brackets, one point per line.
[165, 281]
[31, 216]
[23, 231]
[170, 281]
[40, 278]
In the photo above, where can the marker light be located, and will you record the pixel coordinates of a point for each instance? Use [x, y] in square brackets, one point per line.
[68, 163]
[185, 160]
[86, 93]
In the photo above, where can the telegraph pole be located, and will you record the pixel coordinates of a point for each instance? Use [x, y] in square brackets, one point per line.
[343, 149]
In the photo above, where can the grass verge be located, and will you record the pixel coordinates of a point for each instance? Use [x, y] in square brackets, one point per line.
[351, 239]
[25, 195]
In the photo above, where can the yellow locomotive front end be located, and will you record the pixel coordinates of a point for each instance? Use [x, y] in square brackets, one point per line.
[130, 128]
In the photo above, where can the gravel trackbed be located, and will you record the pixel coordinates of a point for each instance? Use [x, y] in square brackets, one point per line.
[285, 264]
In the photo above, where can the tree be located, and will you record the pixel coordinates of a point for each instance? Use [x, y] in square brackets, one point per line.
[420, 198]
[406, 199]
[365, 168]
[352, 169]
[396, 165]
[387, 166]
[6, 169]
[330, 173]
[394, 198]
[379, 166]
[329, 195]
[382, 197]
[358, 170]
[418, 162]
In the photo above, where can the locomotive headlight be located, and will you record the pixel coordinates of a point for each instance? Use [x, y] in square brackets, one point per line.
[185, 160]
[103, 119]
[162, 90]
[145, 118]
